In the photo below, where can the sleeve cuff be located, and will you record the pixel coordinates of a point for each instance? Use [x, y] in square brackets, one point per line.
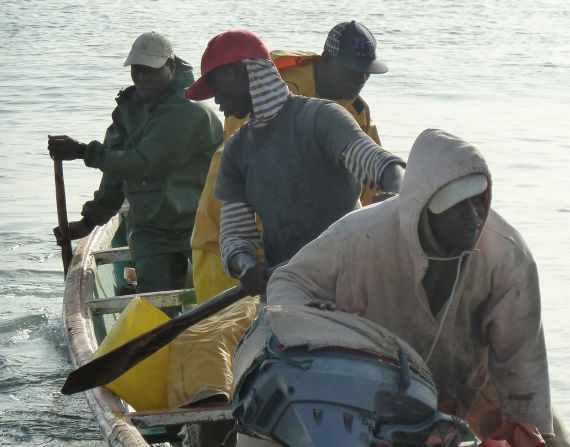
[90, 157]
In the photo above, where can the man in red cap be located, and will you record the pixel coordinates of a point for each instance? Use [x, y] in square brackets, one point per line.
[339, 74]
[298, 162]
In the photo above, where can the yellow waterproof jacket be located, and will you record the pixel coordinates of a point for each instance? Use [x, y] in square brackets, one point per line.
[296, 69]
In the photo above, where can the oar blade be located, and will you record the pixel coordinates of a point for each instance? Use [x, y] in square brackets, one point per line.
[115, 363]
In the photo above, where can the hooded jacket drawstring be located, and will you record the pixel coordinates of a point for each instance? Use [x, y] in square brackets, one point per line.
[451, 296]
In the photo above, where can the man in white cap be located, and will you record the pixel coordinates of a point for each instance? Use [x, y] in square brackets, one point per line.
[156, 154]
[442, 270]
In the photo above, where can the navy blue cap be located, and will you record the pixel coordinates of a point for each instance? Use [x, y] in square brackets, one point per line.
[355, 46]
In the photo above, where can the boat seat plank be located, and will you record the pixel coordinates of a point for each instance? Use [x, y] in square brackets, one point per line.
[116, 304]
[112, 255]
[179, 416]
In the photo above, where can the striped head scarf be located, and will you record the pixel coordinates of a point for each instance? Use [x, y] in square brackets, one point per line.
[268, 91]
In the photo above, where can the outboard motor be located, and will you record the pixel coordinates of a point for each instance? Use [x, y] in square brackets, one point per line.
[339, 396]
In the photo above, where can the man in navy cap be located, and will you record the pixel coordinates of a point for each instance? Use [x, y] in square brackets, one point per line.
[348, 60]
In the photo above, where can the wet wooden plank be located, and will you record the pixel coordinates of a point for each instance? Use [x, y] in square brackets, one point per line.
[205, 414]
[116, 304]
[112, 255]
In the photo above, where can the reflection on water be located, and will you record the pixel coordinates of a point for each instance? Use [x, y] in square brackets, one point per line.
[495, 73]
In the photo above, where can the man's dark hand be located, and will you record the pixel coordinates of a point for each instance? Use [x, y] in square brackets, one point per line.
[62, 147]
[322, 304]
[392, 177]
[76, 230]
[254, 277]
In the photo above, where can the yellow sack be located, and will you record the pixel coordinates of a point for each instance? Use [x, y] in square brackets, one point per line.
[201, 357]
[144, 386]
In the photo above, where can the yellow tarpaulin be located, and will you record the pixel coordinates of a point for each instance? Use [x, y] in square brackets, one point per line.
[201, 357]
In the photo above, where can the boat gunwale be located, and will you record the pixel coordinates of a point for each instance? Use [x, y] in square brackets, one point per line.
[117, 428]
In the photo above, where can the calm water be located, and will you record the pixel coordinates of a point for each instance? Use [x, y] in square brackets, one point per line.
[495, 73]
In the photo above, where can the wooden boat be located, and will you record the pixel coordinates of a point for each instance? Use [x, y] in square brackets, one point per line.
[90, 308]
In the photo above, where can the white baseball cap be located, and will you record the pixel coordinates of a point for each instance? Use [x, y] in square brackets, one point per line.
[456, 191]
[151, 49]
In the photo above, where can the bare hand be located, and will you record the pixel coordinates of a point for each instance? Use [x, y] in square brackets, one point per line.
[322, 304]
[392, 177]
[76, 230]
[254, 278]
[62, 147]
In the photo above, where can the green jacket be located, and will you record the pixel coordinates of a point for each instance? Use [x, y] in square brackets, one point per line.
[156, 155]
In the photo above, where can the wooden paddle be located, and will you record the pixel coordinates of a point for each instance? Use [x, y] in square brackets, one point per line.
[66, 252]
[109, 366]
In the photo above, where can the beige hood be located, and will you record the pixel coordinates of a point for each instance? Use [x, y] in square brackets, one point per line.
[436, 159]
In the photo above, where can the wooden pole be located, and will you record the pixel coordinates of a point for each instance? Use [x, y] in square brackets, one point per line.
[66, 252]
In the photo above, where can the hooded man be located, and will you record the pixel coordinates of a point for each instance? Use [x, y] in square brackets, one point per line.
[298, 163]
[442, 270]
[339, 74]
[156, 154]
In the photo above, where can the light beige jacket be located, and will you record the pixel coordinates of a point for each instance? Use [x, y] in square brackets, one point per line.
[371, 263]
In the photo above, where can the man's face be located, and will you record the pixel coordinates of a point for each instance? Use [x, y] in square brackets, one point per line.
[231, 86]
[151, 82]
[459, 227]
[344, 83]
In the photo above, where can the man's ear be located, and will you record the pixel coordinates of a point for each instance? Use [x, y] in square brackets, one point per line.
[326, 57]
[172, 65]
